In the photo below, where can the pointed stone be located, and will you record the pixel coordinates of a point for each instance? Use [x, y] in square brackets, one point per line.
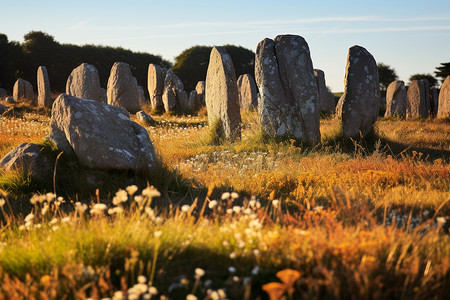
[248, 92]
[23, 90]
[396, 99]
[416, 104]
[84, 82]
[444, 100]
[122, 88]
[43, 85]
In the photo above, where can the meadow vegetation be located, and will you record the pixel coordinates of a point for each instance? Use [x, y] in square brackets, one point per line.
[257, 219]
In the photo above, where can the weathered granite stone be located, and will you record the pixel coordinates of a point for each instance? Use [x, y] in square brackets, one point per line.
[3, 93]
[416, 104]
[200, 98]
[361, 98]
[122, 88]
[248, 92]
[444, 99]
[169, 99]
[145, 118]
[23, 90]
[221, 94]
[434, 101]
[27, 157]
[326, 98]
[100, 135]
[84, 82]
[156, 76]
[43, 85]
[173, 83]
[10, 100]
[142, 100]
[426, 91]
[288, 96]
[193, 99]
[339, 105]
[396, 99]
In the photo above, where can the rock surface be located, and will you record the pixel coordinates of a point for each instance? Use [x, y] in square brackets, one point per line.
[145, 118]
[416, 104]
[326, 98]
[174, 93]
[288, 96]
[23, 90]
[361, 98]
[155, 81]
[248, 92]
[396, 99]
[444, 99]
[84, 82]
[122, 88]
[43, 85]
[3, 93]
[221, 94]
[434, 101]
[100, 135]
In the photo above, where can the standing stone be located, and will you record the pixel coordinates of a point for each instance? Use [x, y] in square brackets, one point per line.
[142, 100]
[84, 82]
[361, 99]
[3, 93]
[222, 100]
[100, 135]
[122, 88]
[173, 86]
[434, 101]
[326, 98]
[193, 99]
[155, 81]
[288, 100]
[169, 99]
[200, 89]
[248, 92]
[396, 99]
[416, 104]
[43, 85]
[23, 90]
[145, 118]
[444, 99]
[426, 90]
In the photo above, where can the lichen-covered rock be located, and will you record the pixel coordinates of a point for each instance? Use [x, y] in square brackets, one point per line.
[444, 99]
[28, 158]
[361, 98]
[396, 99]
[169, 99]
[142, 116]
[43, 85]
[174, 87]
[288, 96]
[221, 94]
[23, 90]
[100, 135]
[416, 104]
[155, 81]
[123, 88]
[84, 82]
[326, 98]
[248, 92]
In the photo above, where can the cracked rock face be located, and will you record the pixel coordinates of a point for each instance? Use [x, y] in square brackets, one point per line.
[361, 98]
[221, 94]
[155, 82]
[123, 90]
[100, 135]
[396, 99]
[443, 110]
[248, 92]
[416, 104]
[84, 82]
[43, 85]
[288, 95]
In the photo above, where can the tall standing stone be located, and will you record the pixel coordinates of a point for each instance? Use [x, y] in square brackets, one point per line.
[444, 99]
[361, 98]
[221, 95]
[426, 90]
[84, 82]
[288, 96]
[200, 90]
[23, 90]
[142, 100]
[326, 98]
[43, 85]
[173, 86]
[416, 104]
[122, 88]
[155, 82]
[248, 92]
[434, 101]
[396, 99]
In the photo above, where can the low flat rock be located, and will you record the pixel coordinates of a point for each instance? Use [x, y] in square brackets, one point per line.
[84, 82]
[100, 135]
[444, 100]
[396, 99]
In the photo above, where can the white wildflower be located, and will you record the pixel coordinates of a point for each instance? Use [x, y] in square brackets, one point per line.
[275, 203]
[80, 207]
[2, 202]
[151, 192]
[29, 218]
[191, 297]
[98, 208]
[232, 255]
[199, 273]
[139, 199]
[142, 279]
[212, 204]
[65, 220]
[225, 196]
[185, 208]
[234, 195]
[50, 197]
[153, 291]
[237, 209]
[116, 210]
[131, 189]
[157, 234]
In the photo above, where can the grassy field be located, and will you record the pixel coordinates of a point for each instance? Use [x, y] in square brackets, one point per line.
[256, 219]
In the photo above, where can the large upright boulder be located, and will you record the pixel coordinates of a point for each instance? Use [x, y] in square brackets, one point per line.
[123, 88]
[434, 101]
[248, 92]
[361, 98]
[444, 100]
[326, 98]
[43, 85]
[416, 104]
[288, 96]
[100, 135]
[23, 90]
[396, 99]
[221, 94]
[84, 82]
[174, 87]
[426, 90]
[155, 82]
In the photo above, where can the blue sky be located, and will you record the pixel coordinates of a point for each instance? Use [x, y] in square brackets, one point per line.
[410, 36]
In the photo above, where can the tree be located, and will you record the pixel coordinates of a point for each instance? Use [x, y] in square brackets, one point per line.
[386, 75]
[192, 64]
[431, 80]
[443, 71]
[11, 58]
